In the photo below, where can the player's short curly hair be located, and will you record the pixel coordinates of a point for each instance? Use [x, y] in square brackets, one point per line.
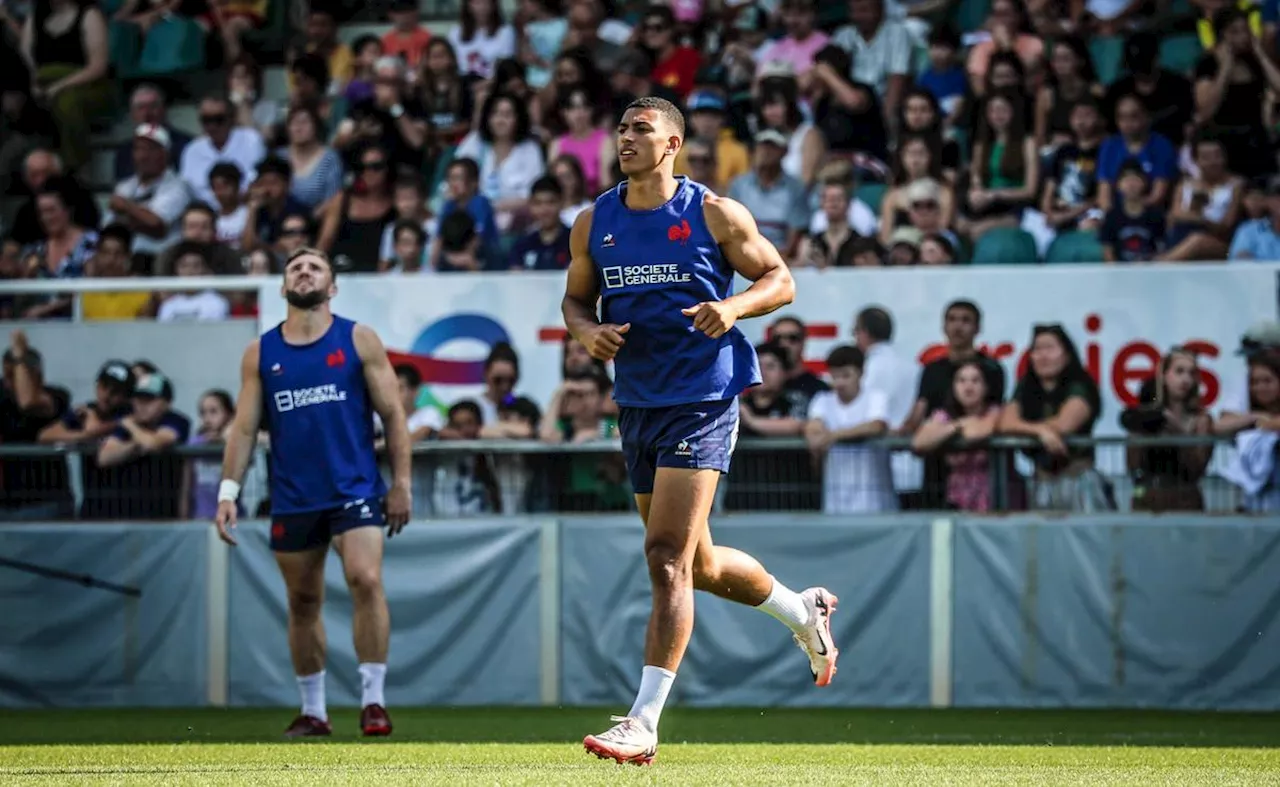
[669, 112]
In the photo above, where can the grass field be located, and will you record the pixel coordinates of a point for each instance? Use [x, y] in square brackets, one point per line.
[701, 747]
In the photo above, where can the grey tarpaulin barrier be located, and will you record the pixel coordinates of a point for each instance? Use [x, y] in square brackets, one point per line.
[65, 643]
[464, 619]
[738, 655]
[1118, 611]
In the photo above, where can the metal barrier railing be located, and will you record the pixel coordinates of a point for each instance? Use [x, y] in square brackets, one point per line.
[466, 478]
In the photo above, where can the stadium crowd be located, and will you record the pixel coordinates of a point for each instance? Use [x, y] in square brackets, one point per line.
[946, 409]
[881, 133]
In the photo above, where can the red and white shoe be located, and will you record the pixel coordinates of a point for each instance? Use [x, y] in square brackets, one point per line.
[815, 639]
[627, 741]
[375, 721]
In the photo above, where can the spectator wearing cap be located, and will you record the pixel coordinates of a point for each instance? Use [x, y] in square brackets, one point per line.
[1259, 239]
[222, 141]
[32, 488]
[197, 304]
[407, 39]
[112, 401]
[147, 106]
[270, 202]
[674, 64]
[777, 200]
[706, 110]
[881, 50]
[151, 202]
[111, 260]
[1260, 340]
[801, 41]
[936, 249]
[144, 478]
[917, 160]
[924, 214]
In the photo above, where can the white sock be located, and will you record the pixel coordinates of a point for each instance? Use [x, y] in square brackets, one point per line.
[787, 606]
[372, 676]
[312, 688]
[655, 685]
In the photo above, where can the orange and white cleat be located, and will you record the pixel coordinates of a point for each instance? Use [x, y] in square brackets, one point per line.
[627, 741]
[815, 639]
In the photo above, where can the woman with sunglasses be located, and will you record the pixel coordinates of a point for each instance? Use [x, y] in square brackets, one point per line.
[354, 218]
[1056, 399]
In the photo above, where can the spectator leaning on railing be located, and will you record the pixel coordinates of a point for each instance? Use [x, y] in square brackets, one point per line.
[145, 477]
[32, 488]
[1254, 466]
[970, 413]
[1236, 413]
[1168, 479]
[1057, 398]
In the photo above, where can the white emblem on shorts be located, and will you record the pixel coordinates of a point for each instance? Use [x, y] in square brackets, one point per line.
[683, 449]
[365, 513]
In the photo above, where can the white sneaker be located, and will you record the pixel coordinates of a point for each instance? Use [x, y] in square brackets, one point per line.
[627, 741]
[815, 639]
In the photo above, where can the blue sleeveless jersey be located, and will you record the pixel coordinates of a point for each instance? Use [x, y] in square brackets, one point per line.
[319, 414]
[651, 264]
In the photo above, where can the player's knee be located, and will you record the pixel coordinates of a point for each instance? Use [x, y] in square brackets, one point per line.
[364, 583]
[304, 604]
[668, 565]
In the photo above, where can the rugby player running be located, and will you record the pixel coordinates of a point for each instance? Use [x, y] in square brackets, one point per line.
[659, 254]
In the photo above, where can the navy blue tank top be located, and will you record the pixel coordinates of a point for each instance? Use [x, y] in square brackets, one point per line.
[319, 414]
[651, 264]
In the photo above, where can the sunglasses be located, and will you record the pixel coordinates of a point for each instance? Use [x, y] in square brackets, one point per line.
[213, 120]
[502, 380]
[371, 166]
[925, 204]
[287, 231]
[788, 337]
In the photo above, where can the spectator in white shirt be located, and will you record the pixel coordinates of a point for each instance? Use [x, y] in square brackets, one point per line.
[151, 202]
[856, 477]
[222, 141]
[481, 38]
[899, 379]
[882, 50]
[193, 305]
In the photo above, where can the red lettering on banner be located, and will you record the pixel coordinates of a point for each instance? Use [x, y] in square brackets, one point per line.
[1135, 362]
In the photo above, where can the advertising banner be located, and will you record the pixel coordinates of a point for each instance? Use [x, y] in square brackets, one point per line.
[1121, 317]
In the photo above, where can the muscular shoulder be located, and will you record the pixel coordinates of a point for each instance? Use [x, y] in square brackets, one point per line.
[367, 343]
[727, 218]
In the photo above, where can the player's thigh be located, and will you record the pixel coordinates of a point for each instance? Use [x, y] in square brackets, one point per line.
[678, 509]
[303, 572]
[358, 537]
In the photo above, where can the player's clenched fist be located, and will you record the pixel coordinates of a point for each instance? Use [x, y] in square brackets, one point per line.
[605, 340]
[226, 521]
[714, 318]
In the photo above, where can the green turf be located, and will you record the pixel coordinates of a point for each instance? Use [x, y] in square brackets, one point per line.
[700, 747]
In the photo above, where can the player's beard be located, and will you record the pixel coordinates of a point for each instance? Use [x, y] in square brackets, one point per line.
[306, 300]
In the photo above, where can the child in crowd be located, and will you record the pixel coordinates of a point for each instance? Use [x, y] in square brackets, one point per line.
[1132, 231]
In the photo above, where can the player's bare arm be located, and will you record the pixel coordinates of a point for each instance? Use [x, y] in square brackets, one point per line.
[241, 438]
[754, 258]
[582, 293]
[381, 380]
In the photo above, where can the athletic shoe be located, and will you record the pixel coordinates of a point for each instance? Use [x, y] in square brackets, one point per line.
[815, 639]
[374, 721]
[308, 727]
[627, 741]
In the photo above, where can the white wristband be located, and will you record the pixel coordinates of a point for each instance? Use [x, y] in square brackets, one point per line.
[228, 491]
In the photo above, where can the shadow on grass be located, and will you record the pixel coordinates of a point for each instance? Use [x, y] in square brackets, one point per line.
[721, 725]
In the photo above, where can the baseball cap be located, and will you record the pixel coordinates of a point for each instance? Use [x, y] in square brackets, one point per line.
[908, 235]
[771, 136]
[117, 374]
[923, 190]
[152, 386]
[154, 133]
[705, 101]
[1260, 336]
[777, 69]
